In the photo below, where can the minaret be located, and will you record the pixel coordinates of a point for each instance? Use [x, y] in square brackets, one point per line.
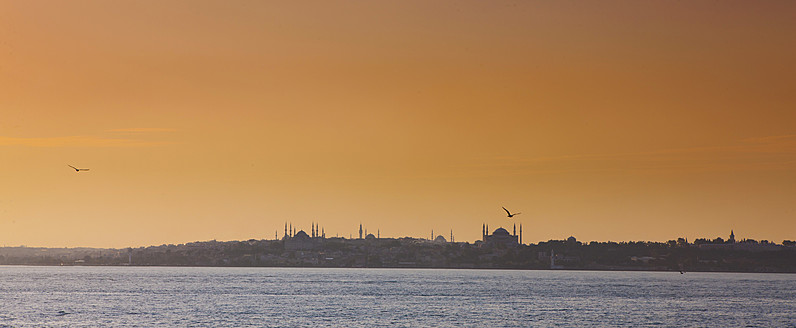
[520, 233]
[432, 234]
[483, 231]
[323, 233]
[285, 229]
[451, 235]
[312, 229]
[378, 233]
[360, 231]
[291, 229]
[732, 236]
[515, 229]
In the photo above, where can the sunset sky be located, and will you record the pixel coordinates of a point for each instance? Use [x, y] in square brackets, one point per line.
[199, 120]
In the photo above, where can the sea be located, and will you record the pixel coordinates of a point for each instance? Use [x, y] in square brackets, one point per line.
[86, 296]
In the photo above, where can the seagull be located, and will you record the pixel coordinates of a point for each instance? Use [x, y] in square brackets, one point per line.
[510, 215]
[76, 169]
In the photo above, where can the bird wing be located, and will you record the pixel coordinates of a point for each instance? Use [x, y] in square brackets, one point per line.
[507, 211]
[516, 213]
[71, 166]
[88, 169]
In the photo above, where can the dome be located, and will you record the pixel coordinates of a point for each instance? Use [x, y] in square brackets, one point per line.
[301, 234]
[370, 236]
[440, 239]
[501, 232]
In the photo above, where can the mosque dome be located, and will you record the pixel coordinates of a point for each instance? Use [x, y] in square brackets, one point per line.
[301, 234]
[501, 232]
[440, 239]
[370, 236]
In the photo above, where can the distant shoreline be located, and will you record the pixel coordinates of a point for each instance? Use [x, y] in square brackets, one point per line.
[377, 268]
[496, 253]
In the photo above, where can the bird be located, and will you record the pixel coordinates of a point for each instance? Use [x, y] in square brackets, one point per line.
[510, 215]
[76, 169]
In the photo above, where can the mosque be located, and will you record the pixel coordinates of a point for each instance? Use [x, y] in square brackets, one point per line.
[301, 241]
[501, 236]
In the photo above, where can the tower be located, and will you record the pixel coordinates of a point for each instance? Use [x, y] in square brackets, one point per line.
[452, 236]
[285, 229]
[732, 237]
[312, 229]
[432, 234]
[378, 233]
[483, 231]
[515, 229]
[520, 233]
[360, 231]
[323, 233]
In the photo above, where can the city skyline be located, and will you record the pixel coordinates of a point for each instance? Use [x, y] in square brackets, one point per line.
[203, 120]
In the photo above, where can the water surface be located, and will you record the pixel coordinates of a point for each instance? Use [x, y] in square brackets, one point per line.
[311, 297]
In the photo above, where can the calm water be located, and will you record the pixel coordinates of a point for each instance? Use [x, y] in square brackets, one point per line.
[278, 297]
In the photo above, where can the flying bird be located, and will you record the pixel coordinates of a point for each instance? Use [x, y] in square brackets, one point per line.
[510, 215]
[76, 169]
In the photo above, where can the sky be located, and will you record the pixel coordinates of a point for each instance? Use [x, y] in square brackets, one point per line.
[201, 120]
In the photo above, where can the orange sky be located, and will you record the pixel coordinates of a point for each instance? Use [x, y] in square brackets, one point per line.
[605, 120]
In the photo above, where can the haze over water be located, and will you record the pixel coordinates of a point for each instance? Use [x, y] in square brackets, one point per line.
[282, 297]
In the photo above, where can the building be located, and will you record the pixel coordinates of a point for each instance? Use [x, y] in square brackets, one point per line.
[500, 237]
[750, 245]
[301, 241]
